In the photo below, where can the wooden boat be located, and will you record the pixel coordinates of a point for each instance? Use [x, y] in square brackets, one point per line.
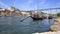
[50, 17]
[36, 18]
[44, 17]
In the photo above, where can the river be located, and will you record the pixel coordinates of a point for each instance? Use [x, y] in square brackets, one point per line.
[12, 25]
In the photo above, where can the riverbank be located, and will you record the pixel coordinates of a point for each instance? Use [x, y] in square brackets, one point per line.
[58, 32]
[56, 25]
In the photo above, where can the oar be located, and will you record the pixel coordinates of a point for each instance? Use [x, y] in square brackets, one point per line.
[24, 19]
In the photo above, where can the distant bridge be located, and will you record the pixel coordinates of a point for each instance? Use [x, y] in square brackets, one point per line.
[46, 9]
[41, 9]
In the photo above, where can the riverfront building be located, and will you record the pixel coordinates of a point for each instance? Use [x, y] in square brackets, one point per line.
[2, 11]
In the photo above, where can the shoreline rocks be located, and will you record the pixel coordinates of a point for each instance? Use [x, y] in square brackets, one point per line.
[58, 32]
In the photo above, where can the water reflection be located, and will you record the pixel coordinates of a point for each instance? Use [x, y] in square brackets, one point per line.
[12, 25]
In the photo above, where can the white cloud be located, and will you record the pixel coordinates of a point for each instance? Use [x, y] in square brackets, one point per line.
[41, 2]
[30, 1]
[14, 2]
[27, 5]
[1, 3]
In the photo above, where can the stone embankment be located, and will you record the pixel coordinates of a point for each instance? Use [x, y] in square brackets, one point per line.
[58, 32]
[56, 26]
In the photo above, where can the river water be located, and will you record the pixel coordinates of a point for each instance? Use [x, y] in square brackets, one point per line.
[12, 25]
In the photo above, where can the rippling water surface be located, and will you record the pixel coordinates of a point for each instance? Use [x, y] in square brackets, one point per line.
[12, 25]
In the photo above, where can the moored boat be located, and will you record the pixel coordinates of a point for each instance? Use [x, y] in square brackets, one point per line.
[50, 17]
[44, 17]
[36, 18]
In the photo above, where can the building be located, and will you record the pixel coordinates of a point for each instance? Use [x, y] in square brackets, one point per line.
[13, 11]
[11, 8]
[25, 13]
[2, 9]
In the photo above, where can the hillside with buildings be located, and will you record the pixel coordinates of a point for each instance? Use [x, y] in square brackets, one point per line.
[12, 11]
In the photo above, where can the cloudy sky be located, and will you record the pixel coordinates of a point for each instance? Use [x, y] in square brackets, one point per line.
[30, 4]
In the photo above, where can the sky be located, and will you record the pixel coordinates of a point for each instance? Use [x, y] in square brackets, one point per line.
[30, 4]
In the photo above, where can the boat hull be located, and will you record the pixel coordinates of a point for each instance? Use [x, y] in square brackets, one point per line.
[37, 18]
[50, 17]
[44, 17]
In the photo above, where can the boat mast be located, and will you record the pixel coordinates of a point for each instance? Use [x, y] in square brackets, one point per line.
[38, 10]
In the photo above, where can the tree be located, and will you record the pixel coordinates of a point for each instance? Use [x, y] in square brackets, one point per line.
[3, 11]
[58, 14]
